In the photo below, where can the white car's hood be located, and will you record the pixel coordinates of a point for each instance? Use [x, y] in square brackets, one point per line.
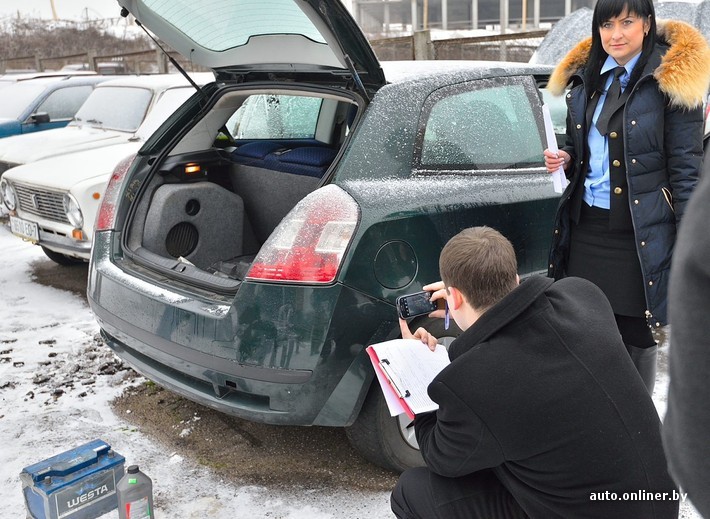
[21, 149]
[65, 171]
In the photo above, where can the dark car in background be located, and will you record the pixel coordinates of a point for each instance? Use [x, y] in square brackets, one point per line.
[43, 103]
[256, 244]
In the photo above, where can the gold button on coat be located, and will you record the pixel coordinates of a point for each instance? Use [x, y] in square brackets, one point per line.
[617, 191]
[613, 135]
[616, 163]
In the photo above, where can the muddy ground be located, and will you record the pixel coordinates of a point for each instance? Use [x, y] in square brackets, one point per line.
[237, 450]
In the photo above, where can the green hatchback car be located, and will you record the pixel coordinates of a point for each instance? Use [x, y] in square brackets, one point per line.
[256, 244]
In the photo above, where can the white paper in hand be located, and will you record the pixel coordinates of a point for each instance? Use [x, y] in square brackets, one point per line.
[559, 179]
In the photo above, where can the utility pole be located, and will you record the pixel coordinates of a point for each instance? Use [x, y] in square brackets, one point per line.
[54, 11]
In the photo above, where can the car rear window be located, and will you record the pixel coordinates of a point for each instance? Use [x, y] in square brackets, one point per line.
[493, 125]
[222, 25]
[274, 116]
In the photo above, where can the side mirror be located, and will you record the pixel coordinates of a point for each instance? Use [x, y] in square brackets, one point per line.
[39, 118]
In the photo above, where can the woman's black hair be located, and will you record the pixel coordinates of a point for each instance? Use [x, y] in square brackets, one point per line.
[605, 10]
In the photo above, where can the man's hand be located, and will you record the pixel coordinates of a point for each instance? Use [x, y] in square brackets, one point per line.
[438, 291]
[421, 334]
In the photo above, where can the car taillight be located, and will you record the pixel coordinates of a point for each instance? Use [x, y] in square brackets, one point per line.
[106, 217]
[309, 244]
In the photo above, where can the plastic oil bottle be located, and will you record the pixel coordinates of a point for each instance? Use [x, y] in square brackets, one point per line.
[135, 495]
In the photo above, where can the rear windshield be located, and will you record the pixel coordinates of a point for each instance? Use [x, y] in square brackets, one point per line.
[224, 24]
[115, 108]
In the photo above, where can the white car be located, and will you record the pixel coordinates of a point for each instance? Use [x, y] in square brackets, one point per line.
[110, 115]
[53, 202]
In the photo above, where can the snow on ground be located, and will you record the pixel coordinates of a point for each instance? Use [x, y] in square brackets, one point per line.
[56, 382]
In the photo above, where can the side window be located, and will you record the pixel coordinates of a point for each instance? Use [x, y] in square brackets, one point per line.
[64, 102]
[492, 124]
[272, 116]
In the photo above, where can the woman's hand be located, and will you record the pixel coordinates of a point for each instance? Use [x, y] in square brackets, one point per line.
[421, 334]
[553, 160]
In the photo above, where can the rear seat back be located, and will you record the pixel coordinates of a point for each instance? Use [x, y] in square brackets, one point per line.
[272, 178]
[308, 160]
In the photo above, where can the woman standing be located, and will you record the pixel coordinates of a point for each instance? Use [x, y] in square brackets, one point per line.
[632, 154]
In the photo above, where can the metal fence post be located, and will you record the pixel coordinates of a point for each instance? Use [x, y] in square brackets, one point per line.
[423, 47]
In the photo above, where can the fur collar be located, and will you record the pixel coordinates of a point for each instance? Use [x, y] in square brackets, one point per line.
[684, 72]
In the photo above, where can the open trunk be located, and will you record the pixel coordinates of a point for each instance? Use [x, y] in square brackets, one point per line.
[224, 187]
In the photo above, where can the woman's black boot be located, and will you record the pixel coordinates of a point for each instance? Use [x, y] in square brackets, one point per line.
[645, 361]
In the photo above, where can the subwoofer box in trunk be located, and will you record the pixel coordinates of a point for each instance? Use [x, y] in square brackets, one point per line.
[201, 222]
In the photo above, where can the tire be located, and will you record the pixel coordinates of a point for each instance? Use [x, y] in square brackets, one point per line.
[61, 259]
[381, 439]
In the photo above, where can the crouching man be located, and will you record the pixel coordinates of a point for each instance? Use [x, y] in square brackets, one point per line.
[541, 411]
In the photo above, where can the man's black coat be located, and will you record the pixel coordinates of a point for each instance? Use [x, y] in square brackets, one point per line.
[541, 389]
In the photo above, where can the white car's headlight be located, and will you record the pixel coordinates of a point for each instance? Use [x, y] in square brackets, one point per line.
[9, 196]
[73, 211]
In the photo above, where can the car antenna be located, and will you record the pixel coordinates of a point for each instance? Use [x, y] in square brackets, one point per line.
[125, 13]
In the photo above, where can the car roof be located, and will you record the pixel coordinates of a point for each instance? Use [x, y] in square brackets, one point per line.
[443, 71]
[55, 82]
[158, 81]
[27, 76]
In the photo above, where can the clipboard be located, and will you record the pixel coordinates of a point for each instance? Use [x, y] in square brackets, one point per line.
[394, 398]
[404, 369]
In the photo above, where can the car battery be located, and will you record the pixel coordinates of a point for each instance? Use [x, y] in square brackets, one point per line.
[77, 484]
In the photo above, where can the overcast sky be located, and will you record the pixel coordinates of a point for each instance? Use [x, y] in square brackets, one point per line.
[66, 9]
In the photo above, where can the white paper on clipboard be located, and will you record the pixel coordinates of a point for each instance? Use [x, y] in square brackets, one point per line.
[559, 179]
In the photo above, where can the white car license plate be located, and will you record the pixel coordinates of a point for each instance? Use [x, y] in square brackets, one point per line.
[24, 229]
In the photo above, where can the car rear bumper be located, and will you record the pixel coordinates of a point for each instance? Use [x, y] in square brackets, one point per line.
[279, 354]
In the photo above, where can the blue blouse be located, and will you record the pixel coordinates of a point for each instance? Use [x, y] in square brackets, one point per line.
[596, 184]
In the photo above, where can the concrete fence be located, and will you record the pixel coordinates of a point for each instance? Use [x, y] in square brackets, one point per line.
[419, 46]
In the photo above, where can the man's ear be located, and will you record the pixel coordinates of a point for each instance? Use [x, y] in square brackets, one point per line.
[454, 298]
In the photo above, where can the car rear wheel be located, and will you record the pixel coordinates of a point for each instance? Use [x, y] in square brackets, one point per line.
[380, 439]
[386, 441]
[61, 259]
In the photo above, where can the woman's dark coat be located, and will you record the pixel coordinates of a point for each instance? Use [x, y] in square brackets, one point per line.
[661, 127]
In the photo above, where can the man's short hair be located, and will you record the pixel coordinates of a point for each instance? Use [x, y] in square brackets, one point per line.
[481, 263]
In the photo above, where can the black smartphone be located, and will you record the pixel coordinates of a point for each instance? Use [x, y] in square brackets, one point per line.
[412, 305]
